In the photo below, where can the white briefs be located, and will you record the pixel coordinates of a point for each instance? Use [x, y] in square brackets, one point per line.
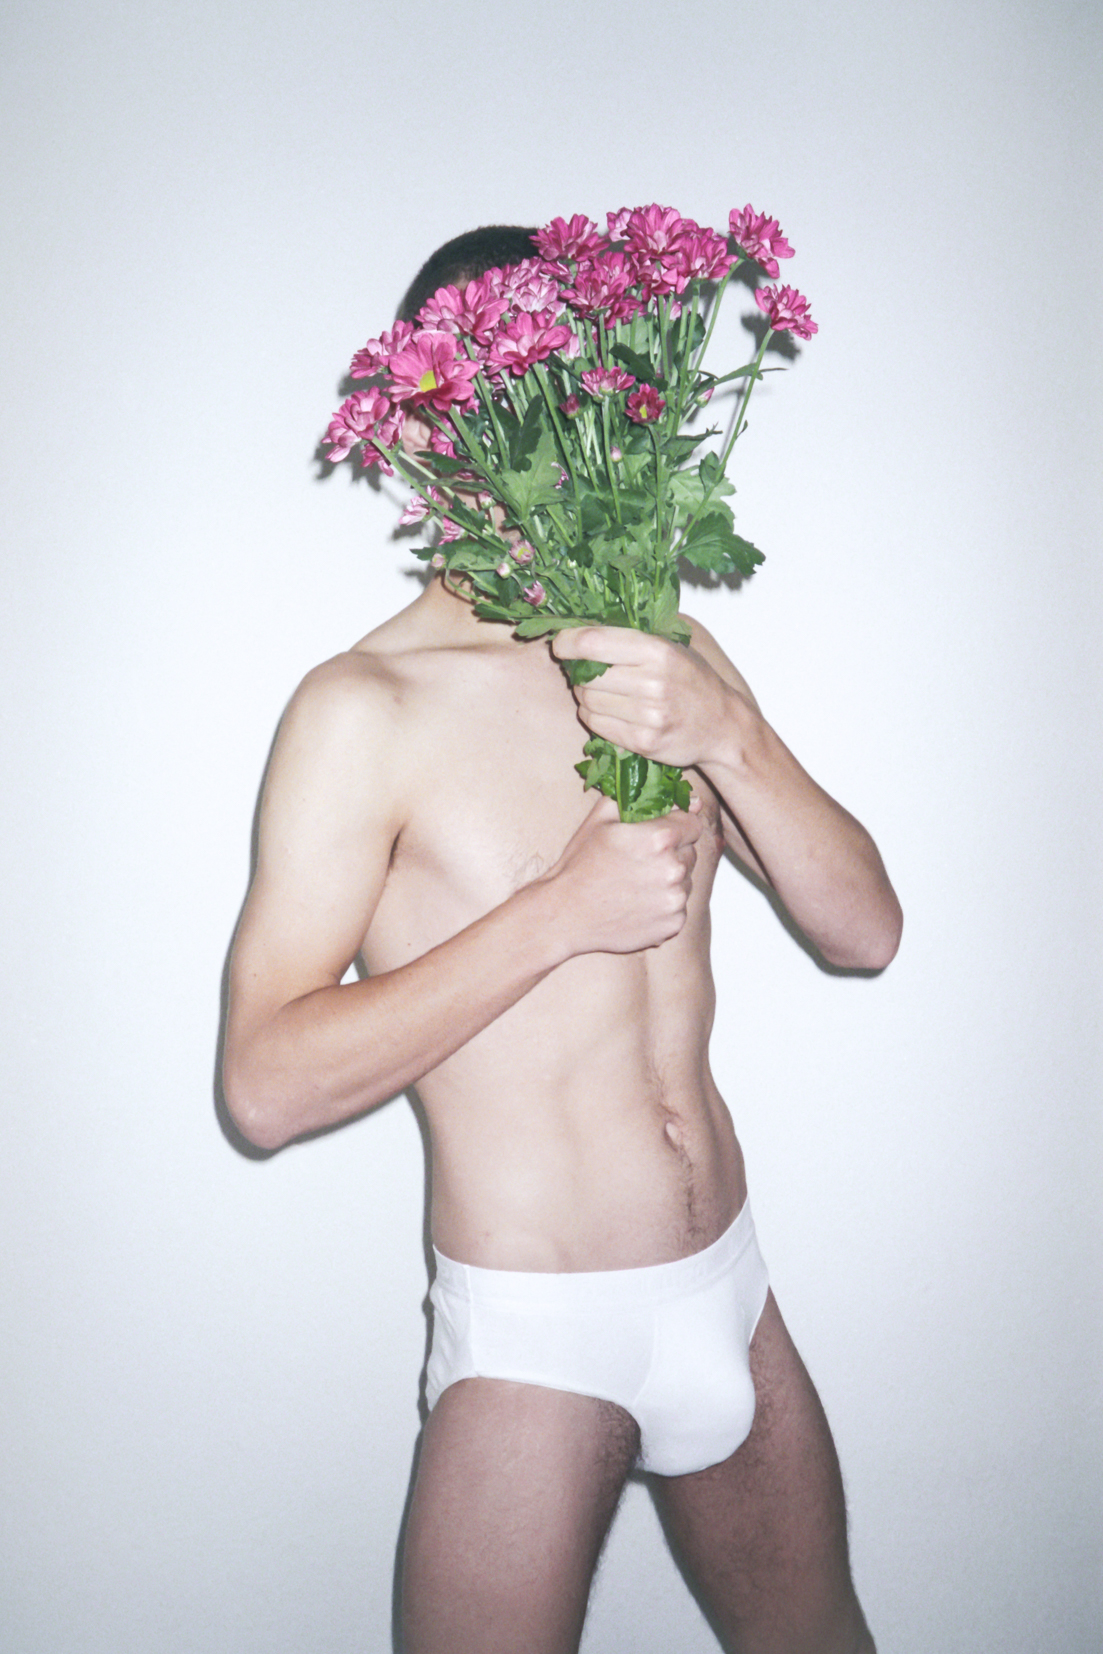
[669, 1342]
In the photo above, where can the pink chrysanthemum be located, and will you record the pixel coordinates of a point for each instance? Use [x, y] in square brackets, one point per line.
[475, 312]
[525, 340]
[368, 417]
[604, 381]
[603, 288]
[416, 509]
[571, 406]
[522, 552]
[559, 241]
[704, 256]
[441, 443]
[655, 240]
[787, 310]
[430, 373]
[375, 353]
[644, 405]
[534, 594]
[760, 238]
[530, 285]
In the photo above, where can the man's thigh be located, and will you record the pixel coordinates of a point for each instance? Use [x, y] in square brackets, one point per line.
[763, 1535]
[516, 1487]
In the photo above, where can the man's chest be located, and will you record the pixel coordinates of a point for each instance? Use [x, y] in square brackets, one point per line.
[496, 795]
[491, 798]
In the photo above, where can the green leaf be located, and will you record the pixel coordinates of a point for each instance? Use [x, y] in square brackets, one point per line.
[712, 544]
[631, 777]
[686, 488]
[583, 671]
[641, 366]
[677, 449]
[663, 789]
[713, 477]
[598, 768]
[466, 516]
[737, 373]
[491, 611]
[523, 443]
[535, 482]
[696, 332]
[456, 551]
[593, 513]
[747, 557]
[445, 465]
[508, 422]
[538, 625]
[665, 616]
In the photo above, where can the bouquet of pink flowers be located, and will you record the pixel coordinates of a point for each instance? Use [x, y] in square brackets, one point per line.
[559, 468]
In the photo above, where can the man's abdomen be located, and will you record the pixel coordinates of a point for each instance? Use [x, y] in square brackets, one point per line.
[582, 1130]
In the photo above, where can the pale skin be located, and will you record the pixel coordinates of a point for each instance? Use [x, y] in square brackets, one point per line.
[540, 971]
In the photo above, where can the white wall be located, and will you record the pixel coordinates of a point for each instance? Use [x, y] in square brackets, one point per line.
[209, 1373]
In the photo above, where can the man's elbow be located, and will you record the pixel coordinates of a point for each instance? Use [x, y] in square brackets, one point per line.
[871, 946]
[257, 1110]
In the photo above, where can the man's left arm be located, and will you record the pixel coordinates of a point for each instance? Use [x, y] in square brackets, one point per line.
[692, 708]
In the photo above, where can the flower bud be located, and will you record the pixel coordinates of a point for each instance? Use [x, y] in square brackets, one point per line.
[571, 406]
[503, 570]
[534, 594]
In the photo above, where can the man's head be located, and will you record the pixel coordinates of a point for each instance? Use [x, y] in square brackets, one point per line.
[464, 258]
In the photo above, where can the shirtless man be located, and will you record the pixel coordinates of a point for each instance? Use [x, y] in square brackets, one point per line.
[540, 971]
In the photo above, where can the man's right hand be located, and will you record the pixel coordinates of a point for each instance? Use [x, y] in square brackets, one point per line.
[624, 886]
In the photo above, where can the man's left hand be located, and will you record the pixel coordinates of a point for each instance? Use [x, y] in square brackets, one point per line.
[657, 698]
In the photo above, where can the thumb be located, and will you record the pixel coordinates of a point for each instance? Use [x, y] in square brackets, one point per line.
[606, 809]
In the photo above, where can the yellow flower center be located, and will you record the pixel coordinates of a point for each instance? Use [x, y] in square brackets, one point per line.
[428, 381]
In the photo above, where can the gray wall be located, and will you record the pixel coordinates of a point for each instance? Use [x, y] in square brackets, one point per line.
[209, 1374]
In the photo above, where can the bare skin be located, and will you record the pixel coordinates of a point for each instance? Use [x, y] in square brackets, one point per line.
[540, 970]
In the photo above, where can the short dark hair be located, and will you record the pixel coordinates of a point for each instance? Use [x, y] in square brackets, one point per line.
[493, 247]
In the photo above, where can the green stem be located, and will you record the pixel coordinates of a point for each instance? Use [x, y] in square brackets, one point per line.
[752, 380]
[720, 291]
[609, 457]
[488, 403]
[659, 536]
[685, 333]
[725, 452]
[561, 435]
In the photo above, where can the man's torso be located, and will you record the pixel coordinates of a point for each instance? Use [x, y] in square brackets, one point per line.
[581, 1129]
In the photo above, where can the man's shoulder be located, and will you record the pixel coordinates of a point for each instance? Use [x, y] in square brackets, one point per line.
[368, 701]
[363, 682]
[348, 691]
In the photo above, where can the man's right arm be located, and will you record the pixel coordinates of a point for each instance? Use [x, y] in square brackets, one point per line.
[303, 1049]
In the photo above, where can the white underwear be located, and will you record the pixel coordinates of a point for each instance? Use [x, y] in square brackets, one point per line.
[669, 1343]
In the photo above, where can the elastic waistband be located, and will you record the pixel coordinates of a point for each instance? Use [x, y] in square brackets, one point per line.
[647, 1285]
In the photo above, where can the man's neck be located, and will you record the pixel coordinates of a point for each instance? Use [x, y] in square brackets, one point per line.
[453, 613]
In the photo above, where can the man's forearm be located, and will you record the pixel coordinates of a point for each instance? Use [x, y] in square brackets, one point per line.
[297, 1061]
[823, 864]
[339, 1050]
